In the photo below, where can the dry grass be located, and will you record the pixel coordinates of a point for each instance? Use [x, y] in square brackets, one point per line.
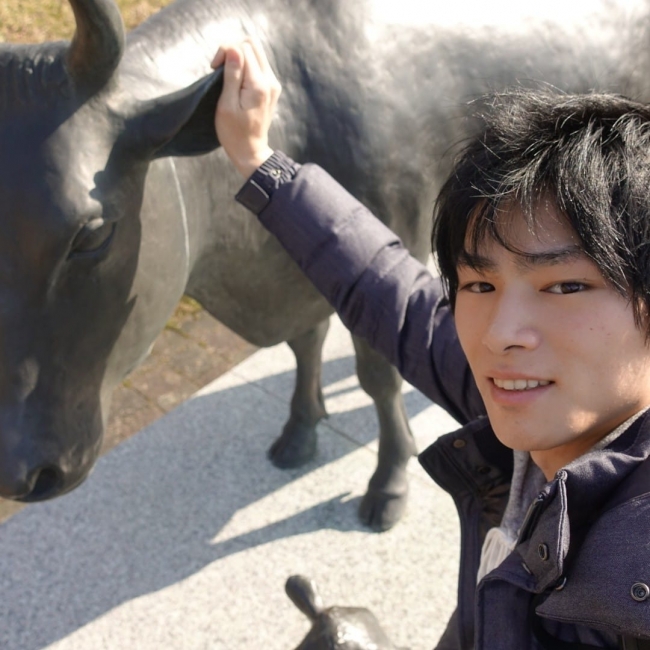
[35, 21]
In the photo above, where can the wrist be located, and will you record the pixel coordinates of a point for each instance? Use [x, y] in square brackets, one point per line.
[247, 164]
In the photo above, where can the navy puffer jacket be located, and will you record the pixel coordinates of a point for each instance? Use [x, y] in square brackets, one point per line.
[580, 574]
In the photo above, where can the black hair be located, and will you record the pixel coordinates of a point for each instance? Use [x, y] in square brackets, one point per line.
[590, 154]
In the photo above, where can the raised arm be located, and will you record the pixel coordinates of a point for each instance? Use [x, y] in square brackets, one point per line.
[380, 292]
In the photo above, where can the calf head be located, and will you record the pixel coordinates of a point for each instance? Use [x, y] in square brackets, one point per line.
[74, 153]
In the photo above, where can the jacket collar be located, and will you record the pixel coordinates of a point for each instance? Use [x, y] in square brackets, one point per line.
[564, 510]
[558, 519]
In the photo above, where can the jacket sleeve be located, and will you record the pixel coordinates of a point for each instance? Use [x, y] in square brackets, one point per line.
[380, 292]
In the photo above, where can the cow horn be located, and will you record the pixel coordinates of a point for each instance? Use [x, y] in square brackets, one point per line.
[98, 42]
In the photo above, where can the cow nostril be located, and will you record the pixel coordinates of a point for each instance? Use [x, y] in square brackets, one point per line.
[47, 484]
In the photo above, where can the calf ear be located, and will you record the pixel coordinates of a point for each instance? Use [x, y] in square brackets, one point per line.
[180, 124]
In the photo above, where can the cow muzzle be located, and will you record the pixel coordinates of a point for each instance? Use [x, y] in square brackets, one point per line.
[38, 484]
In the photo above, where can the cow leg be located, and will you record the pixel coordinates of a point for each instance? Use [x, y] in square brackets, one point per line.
[384, 502]
[297, 444]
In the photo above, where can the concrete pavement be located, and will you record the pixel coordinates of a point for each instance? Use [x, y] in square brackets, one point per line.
[184, 534]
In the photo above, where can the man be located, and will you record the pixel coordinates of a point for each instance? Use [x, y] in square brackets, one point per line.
[542, 235]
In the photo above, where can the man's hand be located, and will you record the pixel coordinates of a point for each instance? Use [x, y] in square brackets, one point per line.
[247, 103]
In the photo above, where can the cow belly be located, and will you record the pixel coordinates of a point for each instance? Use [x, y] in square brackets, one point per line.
[262, 297]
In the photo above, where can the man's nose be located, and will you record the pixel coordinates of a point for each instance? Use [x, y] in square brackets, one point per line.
[511, 325]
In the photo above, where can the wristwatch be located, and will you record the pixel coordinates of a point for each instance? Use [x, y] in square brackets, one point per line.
[273, 172]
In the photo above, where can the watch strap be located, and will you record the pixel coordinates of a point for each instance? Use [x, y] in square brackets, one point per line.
[273, 172]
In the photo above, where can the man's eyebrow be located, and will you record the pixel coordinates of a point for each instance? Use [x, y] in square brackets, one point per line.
[550, 257]
[476, 261]
[480, 262]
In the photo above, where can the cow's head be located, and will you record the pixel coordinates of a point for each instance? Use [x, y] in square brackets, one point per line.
[74, 153]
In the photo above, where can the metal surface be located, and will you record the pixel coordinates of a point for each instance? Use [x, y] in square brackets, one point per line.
[340, 628]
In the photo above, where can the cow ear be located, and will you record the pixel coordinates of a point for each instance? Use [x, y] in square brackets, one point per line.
[181, 124]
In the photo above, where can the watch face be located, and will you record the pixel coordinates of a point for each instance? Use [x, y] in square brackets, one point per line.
[253, 196]
[256, 192]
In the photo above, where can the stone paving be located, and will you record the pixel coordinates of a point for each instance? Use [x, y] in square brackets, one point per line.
[184, 534]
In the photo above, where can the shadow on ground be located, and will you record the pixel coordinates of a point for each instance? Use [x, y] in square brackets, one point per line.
[149, 515]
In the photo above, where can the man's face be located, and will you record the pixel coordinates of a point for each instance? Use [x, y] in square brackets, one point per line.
[554, 349]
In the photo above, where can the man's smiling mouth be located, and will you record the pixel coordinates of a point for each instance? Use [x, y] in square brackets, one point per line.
[520, 384]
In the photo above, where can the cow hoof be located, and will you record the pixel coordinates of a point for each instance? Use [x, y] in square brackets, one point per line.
[382, 507]
[295, 447]
[380, 512]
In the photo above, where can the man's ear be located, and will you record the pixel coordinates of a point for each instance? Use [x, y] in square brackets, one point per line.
[180, 124]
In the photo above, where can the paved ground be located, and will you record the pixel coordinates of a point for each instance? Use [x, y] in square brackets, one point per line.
[184, 534]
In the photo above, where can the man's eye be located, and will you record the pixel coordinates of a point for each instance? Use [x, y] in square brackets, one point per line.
[566, 287]
[478, 287]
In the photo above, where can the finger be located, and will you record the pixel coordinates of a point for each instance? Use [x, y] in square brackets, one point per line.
[219, 58]
[253, 77]
[276, 91]
[232, 78]
[260, 55]
[266, 69]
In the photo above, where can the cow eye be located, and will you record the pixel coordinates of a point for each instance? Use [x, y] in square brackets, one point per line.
[92, 239]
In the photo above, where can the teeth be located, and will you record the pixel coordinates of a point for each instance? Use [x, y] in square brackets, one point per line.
[520, 384]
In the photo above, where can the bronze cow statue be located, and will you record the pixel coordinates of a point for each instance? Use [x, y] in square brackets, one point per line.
[115, 199]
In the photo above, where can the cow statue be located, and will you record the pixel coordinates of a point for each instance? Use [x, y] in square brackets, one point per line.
[115, 198]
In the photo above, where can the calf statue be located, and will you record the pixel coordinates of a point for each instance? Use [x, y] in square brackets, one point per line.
[335, 628]
[115, 198]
